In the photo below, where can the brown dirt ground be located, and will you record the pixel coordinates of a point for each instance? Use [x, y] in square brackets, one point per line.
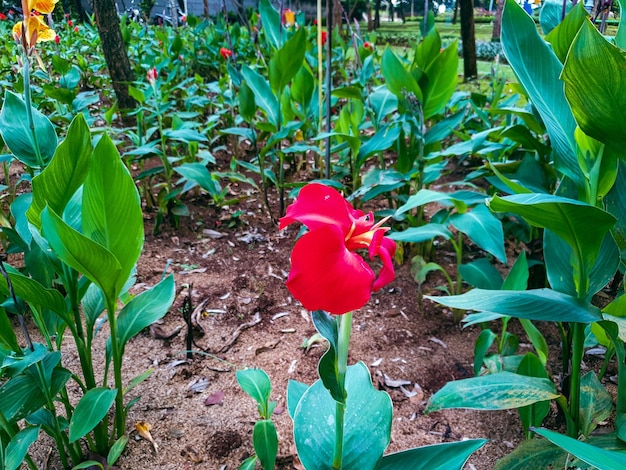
[241, 275]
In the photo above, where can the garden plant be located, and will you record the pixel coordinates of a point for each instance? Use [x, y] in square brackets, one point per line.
[385, 166]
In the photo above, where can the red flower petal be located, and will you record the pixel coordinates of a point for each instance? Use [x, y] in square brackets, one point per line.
[326, 276]
[385, 249]
[318, 205]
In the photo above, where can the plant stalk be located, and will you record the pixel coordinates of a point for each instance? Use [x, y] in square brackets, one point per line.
[116, 352]
[345, 327]
[578, 340]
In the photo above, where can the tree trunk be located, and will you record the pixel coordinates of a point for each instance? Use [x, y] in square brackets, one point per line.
[337, 15]
[497, 22]
[456, 11]
[114, 50]
[376, 14]
[468, 37]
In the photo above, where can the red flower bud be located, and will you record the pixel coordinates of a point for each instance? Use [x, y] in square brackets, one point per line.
[324, 37]
[368, 45]
[57, 39]
[75, 29]
[70, 23]
[152, 75]
[226, 53]
[3, 16]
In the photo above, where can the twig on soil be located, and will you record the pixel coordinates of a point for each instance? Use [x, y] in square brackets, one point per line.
[240, 329]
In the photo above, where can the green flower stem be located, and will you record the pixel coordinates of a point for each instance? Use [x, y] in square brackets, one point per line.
[345, 327]
[578, 342]
[116, 352]
[29, 110]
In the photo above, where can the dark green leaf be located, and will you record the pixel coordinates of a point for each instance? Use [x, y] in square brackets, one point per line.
[90, 410]
[501, 391]
[446, 456]
[18, 447]
[265, 442]
[256, 383]
[535, 304]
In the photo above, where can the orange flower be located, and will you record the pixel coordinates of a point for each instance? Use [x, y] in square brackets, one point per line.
[42, 6]
[36, 30]
[289, 17]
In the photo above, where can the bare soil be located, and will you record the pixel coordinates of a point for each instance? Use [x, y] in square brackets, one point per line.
[233, 267]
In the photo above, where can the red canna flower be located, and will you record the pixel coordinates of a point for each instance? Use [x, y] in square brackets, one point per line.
[225, 53]
[2, 16]
[368, 45]
[70, 23]
[57, 39]
[326, 273]
[324, 37]
[75, 29]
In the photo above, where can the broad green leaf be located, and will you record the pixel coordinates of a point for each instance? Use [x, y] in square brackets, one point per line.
[483, 343]
[446, 456]
[197, 173]
[444, 128]
[381, 140]
[327, 326]
[15, 130]
[112, 215]
[265, 441]
[249, 463]
[264, 97]
[18, 447]
[82, 254]
[604, 459]
[534, 414]
[367, 428]
[93, 305]
[302, 87]
[501, 391]
[256, 383]
[426, 196]
[295, 390]
[581, 225]
[598, 110]
[398, 80]
[551, 14]
[383, 103]
[537, 340]
[145, 309]
[116, 450]
[90, 410]
[67, 170]
[533, 454]
[620, 36]
[33, 292]
[20, 396]
[271, 23]
[534, 304]
[599, 164]
[422, 234]
[8, 340]
[483, 228]
[596, 404]
[482, 274]
[285, 63]
[247, 105]
[561, 266]
[563, 35]
[538, 70]
[615, 202]
[441, 82]
[427, 50]
[517, 279]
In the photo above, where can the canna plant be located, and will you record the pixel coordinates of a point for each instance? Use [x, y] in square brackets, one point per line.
[583, 239]
[341, 421]
[81, 232]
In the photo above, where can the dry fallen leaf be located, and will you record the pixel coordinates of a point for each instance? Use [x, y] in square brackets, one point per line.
[389, 382]
[192, 454]
[143, 429]
[266, 347]
[215, 398]
[157, 332]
